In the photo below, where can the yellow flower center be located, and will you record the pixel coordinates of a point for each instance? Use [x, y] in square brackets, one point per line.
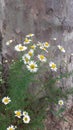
[42, 57]
[21, 48]
[26, 59]
[26, 40]
[53, 66]
[60, 103]
[26, 118]
[6, 100]
[30, 53]
[32, 47]
[11, 129]
[46, 44]
[62, 48]
[43, 48]
[32, 66]
[18, 113]
[30, 34]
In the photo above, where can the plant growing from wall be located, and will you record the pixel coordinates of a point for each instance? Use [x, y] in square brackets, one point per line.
[21, 108]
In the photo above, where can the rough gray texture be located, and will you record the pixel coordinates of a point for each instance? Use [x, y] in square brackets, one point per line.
[48, 19]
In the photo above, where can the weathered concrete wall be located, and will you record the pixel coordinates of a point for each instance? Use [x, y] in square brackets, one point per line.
[48, 19]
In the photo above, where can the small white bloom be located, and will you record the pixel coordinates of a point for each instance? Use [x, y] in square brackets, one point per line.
[26, 119]
[20, 48]
[42, 58]
[25, 113]
[32, 66]
[27, 41]
[41, 46]
[54, 39]
[46, 44]
[30, 35]
[39, 43]
[61, 102]
[11, 127]
[18, 113]
[12, 60]
[8, 42]
[61, 48]
[25, 55]
[26, 58]
[53, 66]
[31, 52]
[71, 54]
[15, 127]
[6, 61]
[33, 46]
[6, 100]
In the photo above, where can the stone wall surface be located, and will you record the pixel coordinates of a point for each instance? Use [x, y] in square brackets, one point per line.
[47, 19]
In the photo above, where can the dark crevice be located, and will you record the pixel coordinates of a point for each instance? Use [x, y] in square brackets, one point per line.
[4, 85]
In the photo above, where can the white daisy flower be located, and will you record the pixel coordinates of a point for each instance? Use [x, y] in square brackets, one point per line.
[12, 60]
[8, 42]
[61, 48]
[61, 102]
[54, 38]
[26, 58]
[11, 127]
[30, 35]
[27, 41]
[32, 66]
[6, 61]
[20, 48]
[33, 46]
[53, 66]
[25, 113]
[31, 52]
[26, 119]
[46, 44]
[41, 45]
[6, 100]
[43, 48]
[18, 113]
[42, 58]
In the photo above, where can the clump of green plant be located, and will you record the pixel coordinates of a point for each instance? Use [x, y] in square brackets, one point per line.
[21, 108]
